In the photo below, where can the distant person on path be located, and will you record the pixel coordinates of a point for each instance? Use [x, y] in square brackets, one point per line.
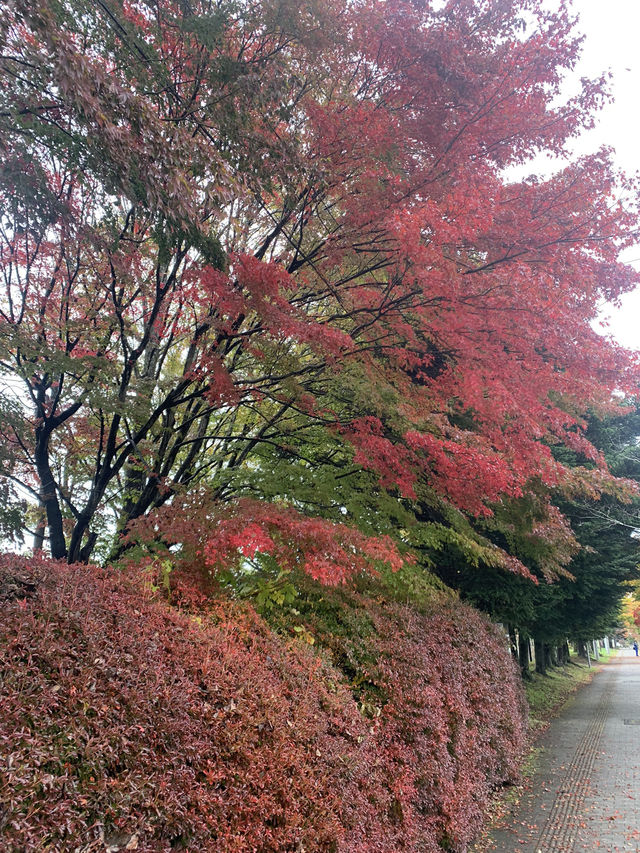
[635, 647]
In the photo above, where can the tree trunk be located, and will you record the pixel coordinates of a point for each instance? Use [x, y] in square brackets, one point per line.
[513, 642]
[49, 494]
[79, 553]
[524, 655]
[541, 663]
[41, 527]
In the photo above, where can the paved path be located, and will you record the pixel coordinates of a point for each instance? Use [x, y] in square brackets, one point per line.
[585, 795]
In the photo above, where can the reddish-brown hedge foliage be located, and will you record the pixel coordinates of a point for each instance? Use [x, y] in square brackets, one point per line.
[452, 710]
[125, 722]
[454, 719]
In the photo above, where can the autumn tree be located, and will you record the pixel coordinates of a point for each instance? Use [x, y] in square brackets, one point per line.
[226, 227]
[608, 564]
[592, 569]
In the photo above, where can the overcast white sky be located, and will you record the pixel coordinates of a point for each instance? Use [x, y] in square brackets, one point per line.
[612, 30]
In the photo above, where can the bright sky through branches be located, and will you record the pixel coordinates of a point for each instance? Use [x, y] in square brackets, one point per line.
[612, 30]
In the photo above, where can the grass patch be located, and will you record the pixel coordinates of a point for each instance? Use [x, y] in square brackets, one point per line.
[605, 655]
[547, 694]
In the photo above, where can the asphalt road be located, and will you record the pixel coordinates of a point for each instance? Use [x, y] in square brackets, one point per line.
[585, 795]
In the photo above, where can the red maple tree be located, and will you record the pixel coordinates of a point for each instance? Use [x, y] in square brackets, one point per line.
[211, 219]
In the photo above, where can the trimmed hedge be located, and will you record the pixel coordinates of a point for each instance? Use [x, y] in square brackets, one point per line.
[127, 724]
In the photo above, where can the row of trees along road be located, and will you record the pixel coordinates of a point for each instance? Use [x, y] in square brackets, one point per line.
[264, 273]
[586, 598]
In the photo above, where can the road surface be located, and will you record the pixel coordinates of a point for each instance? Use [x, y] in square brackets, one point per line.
[585, 795]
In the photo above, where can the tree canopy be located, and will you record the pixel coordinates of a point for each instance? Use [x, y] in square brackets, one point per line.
[264, 263]
[600, 566]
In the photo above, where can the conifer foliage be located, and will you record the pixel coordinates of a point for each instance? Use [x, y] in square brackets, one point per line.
[219, 221]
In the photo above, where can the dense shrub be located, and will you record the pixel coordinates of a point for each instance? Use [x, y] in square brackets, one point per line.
[448, 734]
[129, 725]
[123, 719]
